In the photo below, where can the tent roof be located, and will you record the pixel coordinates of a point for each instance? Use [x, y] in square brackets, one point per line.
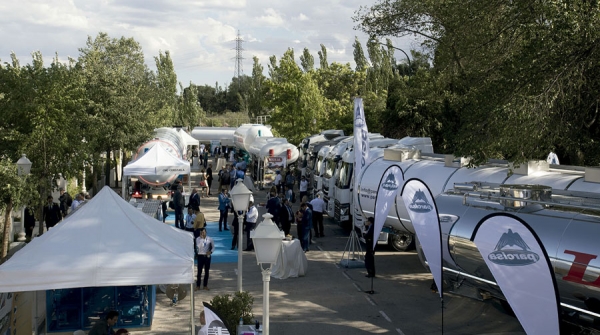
[187, 138]
[107, 242]
[157, 161]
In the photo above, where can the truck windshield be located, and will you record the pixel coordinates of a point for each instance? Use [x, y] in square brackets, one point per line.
[345, 176]
[313, 163]
[329, 166]
[319, 165]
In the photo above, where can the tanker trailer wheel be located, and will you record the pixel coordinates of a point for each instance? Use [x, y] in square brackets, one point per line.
[402, 241]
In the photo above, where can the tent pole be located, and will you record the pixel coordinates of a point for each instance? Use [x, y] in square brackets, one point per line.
[193, 328]
[123, 185]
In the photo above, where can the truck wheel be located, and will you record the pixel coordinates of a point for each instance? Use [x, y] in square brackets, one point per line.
[402, 241]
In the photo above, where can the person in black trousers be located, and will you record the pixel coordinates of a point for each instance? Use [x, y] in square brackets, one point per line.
[370, 253]
[286, 217]
[236, 229]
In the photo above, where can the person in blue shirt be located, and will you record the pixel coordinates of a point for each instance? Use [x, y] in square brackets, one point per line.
[224, 203]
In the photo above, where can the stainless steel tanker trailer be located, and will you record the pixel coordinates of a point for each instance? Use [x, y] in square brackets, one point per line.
[560, 203]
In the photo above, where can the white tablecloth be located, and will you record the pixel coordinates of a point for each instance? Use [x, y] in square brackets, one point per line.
[291, 261]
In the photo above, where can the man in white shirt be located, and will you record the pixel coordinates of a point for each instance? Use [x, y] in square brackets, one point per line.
[303, 187]
[251, 218]
[318, 206]
[277, 181]
[205, 246]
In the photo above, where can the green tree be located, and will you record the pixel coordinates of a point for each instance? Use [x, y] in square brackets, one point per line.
[42, 107]
[324, 63]
[15, 191]
[257, 90]
[295, 100]
[119, 90]
[359, 56]
[166, 84]
[307, 61]
[519, 70]
[190, 111]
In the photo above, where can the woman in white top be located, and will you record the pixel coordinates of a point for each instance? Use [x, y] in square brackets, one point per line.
[205, 246]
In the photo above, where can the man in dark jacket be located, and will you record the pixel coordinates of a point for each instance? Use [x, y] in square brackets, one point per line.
[104, 327]
[52, 214]
[286, 216]
[179, 204]
[306, 225]
[194, 203]
[273, 206]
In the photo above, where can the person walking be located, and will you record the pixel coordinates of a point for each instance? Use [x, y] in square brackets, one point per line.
[194, 203]
[209, 178]
[51, 214]
[306, 226]
[206, 247]
[303, 188]
[224, 203]
[236, 229]
[65, 200]
[286, 217]
[189, 220]
[318, 206]
[251, 218]
[163, 206]
[370, 252]
[273, 205]
[179, 204]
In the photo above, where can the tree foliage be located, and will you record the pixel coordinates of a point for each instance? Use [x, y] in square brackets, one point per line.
[513, 80]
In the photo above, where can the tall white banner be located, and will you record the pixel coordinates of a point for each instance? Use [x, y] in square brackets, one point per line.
[361, 146]
[424, 216]
[519, 263]
[386, 194]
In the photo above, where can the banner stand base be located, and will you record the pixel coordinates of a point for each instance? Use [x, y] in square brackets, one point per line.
[353, 256]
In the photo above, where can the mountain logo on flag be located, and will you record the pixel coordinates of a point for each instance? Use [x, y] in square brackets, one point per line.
[419, 203]
[359, 121]
[519, 255]
[390, 183]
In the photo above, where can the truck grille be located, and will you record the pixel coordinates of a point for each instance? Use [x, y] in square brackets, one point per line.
[336, 211]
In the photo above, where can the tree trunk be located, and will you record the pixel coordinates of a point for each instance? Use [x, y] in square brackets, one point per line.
[41, 208]
[107, 168]
[7, 223]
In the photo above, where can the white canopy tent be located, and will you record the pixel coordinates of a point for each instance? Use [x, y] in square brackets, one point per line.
[157, 161]
[107, 242]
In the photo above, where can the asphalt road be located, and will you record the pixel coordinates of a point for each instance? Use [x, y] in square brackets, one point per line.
[331, 299]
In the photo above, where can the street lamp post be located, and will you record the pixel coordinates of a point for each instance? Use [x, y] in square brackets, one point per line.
[240, 196]
[23, 169]
[267, 244]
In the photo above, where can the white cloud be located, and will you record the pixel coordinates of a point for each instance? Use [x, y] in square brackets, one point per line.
[199, 34]
[302, 17]
[270, 18]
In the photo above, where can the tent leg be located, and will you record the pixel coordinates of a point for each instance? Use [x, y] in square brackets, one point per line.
[123, 186]
[193, 328]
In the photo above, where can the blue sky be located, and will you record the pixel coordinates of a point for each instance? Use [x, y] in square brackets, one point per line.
[200, 34]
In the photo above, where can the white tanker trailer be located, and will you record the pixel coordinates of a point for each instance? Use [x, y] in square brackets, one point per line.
[208, 135]
[268, 154]
[171, 140]
[246, 134]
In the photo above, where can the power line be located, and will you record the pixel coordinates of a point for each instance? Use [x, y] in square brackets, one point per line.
[238, 72]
